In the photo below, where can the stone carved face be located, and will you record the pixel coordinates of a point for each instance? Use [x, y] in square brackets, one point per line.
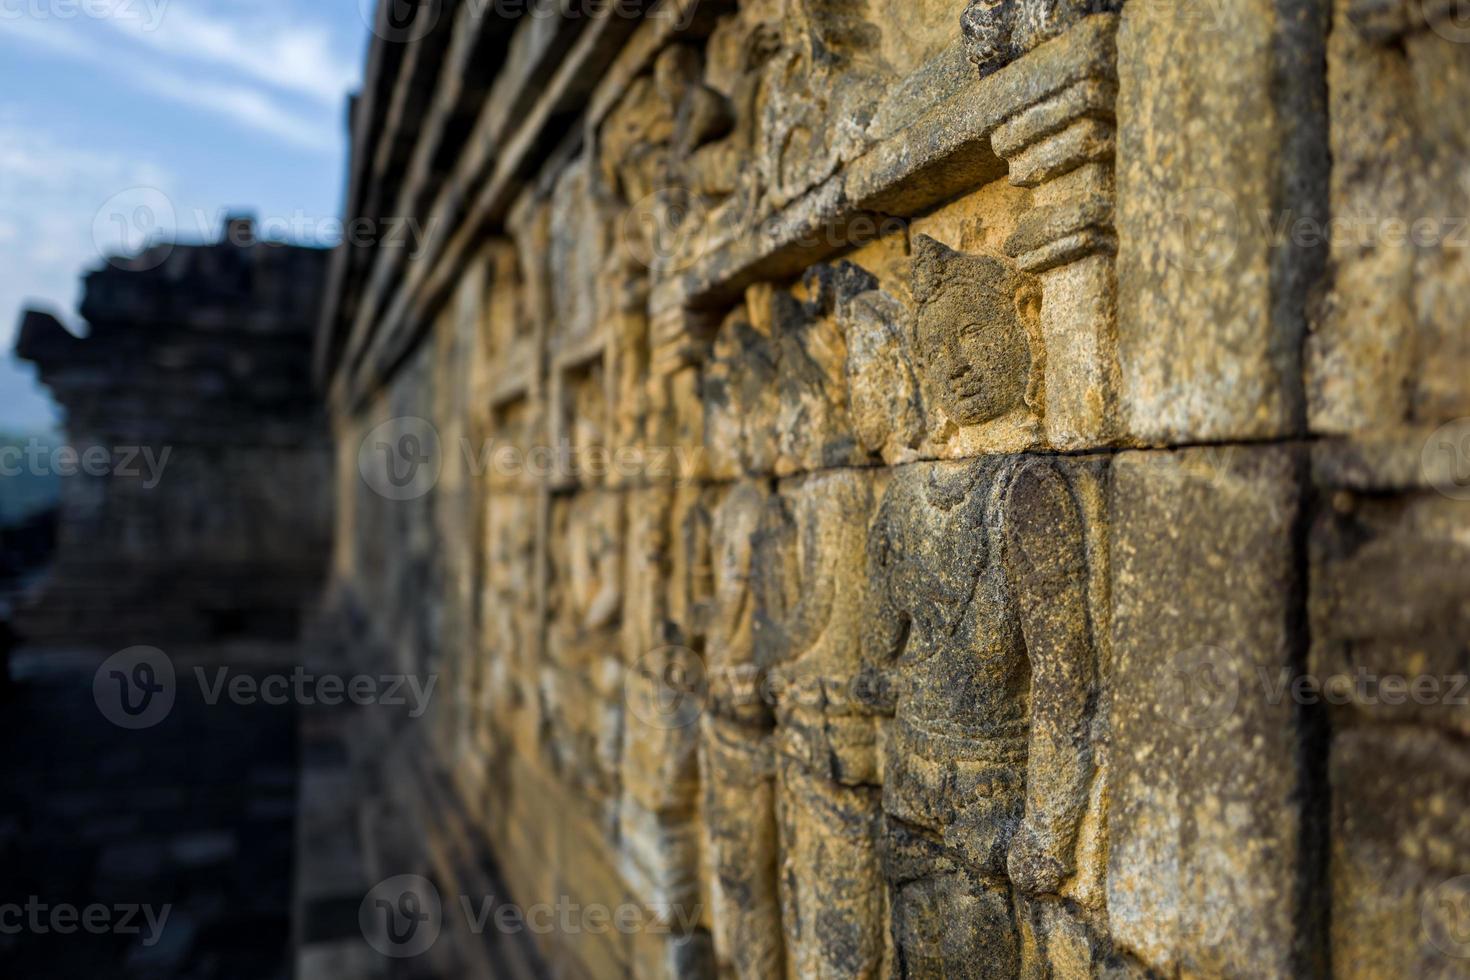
[976, 321]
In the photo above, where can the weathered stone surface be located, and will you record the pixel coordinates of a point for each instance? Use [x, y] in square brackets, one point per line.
[832, 900]
[1215, 159]
[737, 771]
[1388, 344]
[1388, 605]
[1400, 853]
[914, 657]
[1208, 808]
[999, 31]
[1388, 567]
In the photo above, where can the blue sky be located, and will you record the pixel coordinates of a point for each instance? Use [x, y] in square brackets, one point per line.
[195, 107]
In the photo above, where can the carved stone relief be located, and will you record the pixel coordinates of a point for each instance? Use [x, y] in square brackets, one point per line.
[857, 662]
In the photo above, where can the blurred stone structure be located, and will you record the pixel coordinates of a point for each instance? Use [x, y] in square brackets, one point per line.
[195, 471]
[878, 481]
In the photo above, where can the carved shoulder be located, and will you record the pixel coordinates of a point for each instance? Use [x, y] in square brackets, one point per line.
[1044, 532]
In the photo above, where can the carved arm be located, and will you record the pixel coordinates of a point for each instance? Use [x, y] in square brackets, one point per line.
[1047, 565]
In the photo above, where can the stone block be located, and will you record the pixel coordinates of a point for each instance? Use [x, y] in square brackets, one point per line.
[1207, 804]
[1388, 346]
[1211, 297]
[832, 899]
[1400, 853]
[1389, 573]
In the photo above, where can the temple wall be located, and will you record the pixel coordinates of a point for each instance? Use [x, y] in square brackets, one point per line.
[873, 479]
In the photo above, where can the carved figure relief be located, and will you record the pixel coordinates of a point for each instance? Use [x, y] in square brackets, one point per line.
[810, 586]
[740, 397]
[813, 431]
[977, 637]
[822, 88]
[582, 680]
[735, 748]
[884, 402]
[889, 745]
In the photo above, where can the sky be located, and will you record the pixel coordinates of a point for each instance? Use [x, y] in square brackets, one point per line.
[122, 120]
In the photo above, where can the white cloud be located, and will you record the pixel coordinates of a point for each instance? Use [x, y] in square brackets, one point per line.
[248, 106]
[295, 57]
[256, 65]
[50, 190]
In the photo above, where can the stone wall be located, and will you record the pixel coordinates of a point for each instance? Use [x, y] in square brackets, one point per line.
[195, 470]
[880, 483]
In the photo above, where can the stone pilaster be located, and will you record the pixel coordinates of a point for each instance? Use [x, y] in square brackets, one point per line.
[1062, 148]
